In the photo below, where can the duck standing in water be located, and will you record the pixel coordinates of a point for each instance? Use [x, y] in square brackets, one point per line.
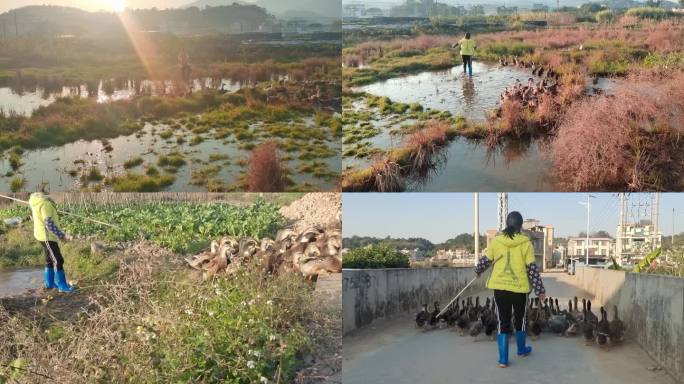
[514, 275]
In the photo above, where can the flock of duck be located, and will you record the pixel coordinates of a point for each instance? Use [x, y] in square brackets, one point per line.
[530, 94]
[537, 69]
[469, 316]
[313, 251]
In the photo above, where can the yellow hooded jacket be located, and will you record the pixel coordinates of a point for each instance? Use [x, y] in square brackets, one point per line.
[467, 47]
[41, 208]
[511, 257]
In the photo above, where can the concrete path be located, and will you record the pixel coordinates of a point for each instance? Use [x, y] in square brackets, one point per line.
[396, 352]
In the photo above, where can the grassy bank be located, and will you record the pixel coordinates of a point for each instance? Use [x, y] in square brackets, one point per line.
[140, 312]
[414, 160]
[150, 320]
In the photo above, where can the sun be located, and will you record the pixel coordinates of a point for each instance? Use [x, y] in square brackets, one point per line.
[118, 5]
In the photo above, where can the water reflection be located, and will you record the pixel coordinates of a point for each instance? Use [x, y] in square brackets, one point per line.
[24, 99]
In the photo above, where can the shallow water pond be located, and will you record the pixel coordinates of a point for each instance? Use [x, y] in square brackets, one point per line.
[451, 91]
[471, 166]
[24, 101]
[466, 165]
[17, 281]
[62, 167]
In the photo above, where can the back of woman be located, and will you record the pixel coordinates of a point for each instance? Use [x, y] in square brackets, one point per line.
[514, 275]
[512, 256]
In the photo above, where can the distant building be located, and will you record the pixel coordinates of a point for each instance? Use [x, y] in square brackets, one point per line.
[415, 254]
[560, 254]
[353, 10]
[455, 256]
[600, 249]
[374, 12]
[539, 7]
[635, 241]
[357, 11]
[503, 10]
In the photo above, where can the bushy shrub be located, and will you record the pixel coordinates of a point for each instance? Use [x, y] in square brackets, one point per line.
[606, 16]
[630, 141]
[648, 13]
[266, 172]
[375, 257]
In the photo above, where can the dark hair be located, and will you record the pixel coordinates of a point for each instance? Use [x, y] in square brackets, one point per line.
[514, 223]
[467, 35]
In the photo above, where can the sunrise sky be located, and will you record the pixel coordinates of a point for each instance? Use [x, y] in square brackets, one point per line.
[95, 5]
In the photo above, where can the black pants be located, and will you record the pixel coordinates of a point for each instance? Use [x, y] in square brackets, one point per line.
[505, 303]
[467, 62]
[53, 255]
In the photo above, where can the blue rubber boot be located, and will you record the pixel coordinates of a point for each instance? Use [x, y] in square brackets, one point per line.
[520, 341]
[50, 278]
[502, 340]
[470, 70]
[62, 284]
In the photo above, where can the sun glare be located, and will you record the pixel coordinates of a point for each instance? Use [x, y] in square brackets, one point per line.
[118, 6]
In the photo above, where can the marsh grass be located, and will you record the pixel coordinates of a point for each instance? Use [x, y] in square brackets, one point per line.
[132, 182]
[631, 144]
[17, 183]
[133, 162]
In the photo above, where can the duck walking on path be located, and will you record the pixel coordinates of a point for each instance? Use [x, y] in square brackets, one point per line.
[423, 316]
[617, 328]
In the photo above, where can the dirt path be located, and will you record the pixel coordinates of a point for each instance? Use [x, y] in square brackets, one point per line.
[396, 352]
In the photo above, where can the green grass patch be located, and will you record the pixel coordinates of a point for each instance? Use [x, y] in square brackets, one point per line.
[132, 182]
[133, 162]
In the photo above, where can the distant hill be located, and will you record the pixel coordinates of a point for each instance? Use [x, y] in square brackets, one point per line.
[462, 241]
[285, 8]
[212, 3]
[47, 20]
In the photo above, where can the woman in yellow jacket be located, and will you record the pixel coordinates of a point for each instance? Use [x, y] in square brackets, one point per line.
[513, 276]
[467, 52]
[46, 231]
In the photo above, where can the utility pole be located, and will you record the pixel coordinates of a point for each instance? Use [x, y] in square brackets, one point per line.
[587, 245]
[621, 229]
[501, 210]
[16, 25]
[477, 227]
[588, 204]
[673, 230]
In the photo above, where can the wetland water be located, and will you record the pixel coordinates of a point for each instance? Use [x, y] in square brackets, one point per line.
[17, 281]
[62, 166]
[451, 91]
[468, 165]
[24, 101]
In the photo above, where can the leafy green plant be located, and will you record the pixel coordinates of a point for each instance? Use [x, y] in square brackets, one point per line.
[176, 225]
[375, 257]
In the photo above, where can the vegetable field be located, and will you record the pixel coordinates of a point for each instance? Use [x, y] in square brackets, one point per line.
[180, 227]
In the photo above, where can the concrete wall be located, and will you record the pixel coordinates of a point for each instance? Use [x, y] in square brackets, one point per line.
[369, 295]
[652, 307]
